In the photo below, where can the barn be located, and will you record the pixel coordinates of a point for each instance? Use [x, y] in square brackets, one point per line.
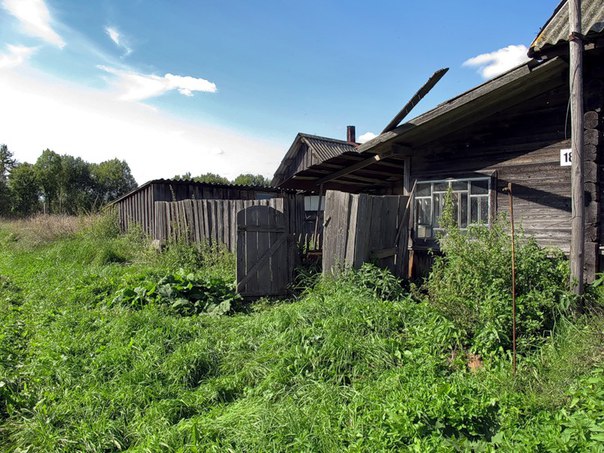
[138, 207]
[513, 129]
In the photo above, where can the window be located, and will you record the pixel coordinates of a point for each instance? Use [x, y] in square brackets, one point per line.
[311, 203]
[471, 204]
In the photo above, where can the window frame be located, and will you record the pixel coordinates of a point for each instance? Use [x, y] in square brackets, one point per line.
[432, 227]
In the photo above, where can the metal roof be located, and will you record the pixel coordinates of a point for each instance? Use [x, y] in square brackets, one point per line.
[321, 148]
[199, 184]
[556, 29]
[326, 148]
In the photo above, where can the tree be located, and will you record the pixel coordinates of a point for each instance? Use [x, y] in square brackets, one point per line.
[48, 169]
[24, 189]
[7, 163]
[111, 180]
[249, 179]
[211, 178]
[75, 191]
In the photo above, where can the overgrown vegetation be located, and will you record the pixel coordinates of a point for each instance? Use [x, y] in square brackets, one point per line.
[97, 354]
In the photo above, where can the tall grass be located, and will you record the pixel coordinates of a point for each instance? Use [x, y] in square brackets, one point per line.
[355, 364]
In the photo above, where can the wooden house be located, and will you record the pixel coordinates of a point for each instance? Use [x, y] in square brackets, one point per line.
[138, 206]
[514, 129]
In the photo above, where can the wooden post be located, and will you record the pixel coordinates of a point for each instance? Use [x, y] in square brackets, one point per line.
[577, 240]
[513, 278]
[318, 213]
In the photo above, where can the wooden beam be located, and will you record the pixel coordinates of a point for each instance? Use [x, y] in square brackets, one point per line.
[362, 164]
[577, 238]
[425, 89]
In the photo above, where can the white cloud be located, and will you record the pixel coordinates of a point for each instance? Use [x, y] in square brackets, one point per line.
[69, 119]
[16, 56]
[134, 86]
[494, 63]
[35, 19]
[118, 39]
[366, 137]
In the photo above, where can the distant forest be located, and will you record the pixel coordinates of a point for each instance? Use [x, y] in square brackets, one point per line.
[63, 184]
[59, 184]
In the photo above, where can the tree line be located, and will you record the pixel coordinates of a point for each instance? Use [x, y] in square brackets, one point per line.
[245, 179]
[59, 184]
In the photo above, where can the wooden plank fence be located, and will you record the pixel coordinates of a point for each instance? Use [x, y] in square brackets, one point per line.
[361, 228]
[211, 221]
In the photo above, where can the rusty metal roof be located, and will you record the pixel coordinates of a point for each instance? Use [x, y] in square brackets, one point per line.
[556, 29]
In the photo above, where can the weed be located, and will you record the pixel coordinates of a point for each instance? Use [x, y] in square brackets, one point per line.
[471, 284]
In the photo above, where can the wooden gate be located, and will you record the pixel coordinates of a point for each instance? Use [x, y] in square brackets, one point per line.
[365, 228]
[265, 252]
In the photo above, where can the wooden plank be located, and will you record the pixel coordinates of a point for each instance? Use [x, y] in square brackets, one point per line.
[353, 226]
[363, 163]
[259, 261]
[418, 96]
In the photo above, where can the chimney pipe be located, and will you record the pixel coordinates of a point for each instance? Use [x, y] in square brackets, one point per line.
[351, 134]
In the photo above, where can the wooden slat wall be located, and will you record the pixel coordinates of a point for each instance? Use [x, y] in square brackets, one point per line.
[211, 221]
[139, 207]
[361, 228]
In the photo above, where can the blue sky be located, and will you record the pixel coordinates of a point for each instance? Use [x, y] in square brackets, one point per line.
[223, 86]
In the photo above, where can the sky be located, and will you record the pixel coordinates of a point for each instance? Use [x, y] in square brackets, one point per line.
[224, 86]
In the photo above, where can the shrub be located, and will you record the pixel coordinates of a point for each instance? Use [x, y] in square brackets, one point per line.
[184, 293]
[471, 284]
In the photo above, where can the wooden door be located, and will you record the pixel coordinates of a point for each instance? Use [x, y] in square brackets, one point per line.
[264, 252]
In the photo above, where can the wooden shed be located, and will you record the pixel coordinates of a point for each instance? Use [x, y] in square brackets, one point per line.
[514, 129]
[138, 206]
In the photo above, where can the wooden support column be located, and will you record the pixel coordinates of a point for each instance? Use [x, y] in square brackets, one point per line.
[577, 240]
[591, 145]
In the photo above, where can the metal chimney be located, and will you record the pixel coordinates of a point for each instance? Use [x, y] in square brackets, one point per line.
[351, 134]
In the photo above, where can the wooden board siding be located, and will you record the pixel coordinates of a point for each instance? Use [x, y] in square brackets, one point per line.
[364, 228]
[521, 147]
[264, 246]
[209, 221]
[213, 221]
[138, 208]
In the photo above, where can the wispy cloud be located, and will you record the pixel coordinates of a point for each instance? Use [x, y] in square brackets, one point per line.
[366, 137]
[119, 40]
[494, 63]
[35, 19]
[15, 56]
[65, 116]
[134, 86]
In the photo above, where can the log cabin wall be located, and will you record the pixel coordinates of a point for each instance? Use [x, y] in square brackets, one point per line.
[522, 146]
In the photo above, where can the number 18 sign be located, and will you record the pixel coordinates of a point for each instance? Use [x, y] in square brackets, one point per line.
[565, 157]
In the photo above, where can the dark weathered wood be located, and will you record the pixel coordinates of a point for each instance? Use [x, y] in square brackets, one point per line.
[577, 238]
[363, 163]
[362, 227]
[418, 96]
[263, 255]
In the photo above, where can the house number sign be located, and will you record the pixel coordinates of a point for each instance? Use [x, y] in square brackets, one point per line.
[565, 157]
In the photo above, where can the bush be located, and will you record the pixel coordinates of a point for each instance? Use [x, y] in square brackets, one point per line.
[471, 285]
[184, 293]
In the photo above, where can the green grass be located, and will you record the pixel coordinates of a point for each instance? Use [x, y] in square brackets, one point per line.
[354, 364]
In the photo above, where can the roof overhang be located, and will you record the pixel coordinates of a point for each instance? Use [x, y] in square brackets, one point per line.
[553, 37]
[360, 171]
